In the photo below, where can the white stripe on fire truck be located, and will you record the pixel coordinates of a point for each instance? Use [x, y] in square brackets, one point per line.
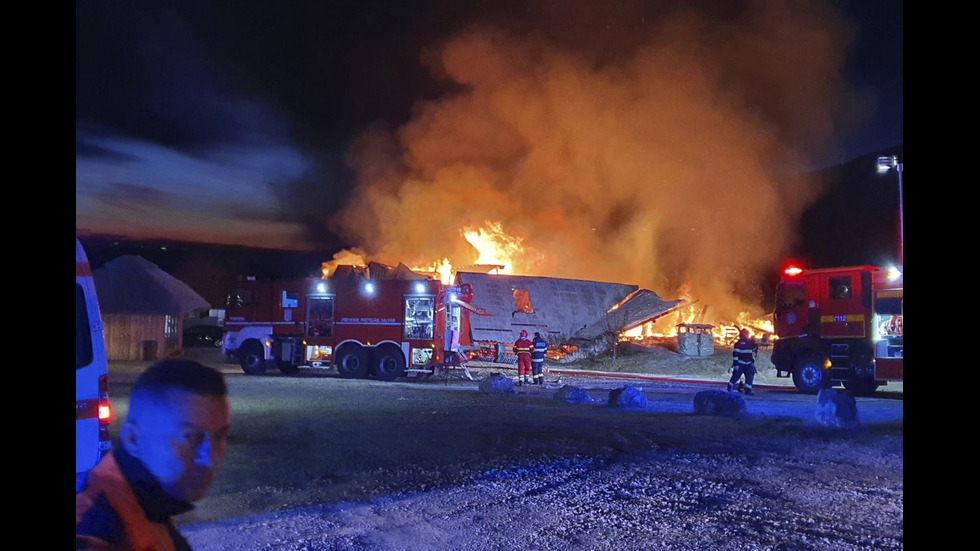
[264, 323]
[366, 323]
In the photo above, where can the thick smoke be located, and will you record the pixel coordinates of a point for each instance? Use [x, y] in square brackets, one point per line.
[671, 161]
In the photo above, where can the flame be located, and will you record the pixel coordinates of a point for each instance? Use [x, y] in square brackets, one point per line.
[724, 332]
[445, 271]
[345, 257]
[495, 245]
[441, 269]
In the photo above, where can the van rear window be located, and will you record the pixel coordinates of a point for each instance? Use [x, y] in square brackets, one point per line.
[83, 337]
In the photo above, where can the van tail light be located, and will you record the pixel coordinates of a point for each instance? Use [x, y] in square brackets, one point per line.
[106, 414]
[105, 408]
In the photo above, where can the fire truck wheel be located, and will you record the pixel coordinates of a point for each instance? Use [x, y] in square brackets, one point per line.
[252, 357]
[389, 363]
[351, 361]
[808, 375]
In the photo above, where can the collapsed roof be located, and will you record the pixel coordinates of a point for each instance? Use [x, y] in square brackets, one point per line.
[640, 307]
[560, 309]
[376, 271]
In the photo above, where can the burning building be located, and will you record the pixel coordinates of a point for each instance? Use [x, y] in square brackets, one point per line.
[567, 312]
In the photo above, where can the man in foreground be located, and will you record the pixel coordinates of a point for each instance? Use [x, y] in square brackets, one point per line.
[173, 438]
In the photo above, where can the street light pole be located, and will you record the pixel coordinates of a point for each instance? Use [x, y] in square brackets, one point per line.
[884, 165]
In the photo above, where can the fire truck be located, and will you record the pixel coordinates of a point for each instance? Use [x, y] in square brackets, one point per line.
[839, 326]
[380, 328]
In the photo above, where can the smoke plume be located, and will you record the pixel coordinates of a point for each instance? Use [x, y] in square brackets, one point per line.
[665, 150]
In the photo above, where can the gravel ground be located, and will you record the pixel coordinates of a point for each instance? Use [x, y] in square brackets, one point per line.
[660, 500]
[322, 463]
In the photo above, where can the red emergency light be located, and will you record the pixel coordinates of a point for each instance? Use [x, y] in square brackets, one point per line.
[793, 270]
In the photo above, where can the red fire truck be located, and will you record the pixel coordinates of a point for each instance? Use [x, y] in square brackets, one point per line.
[839, 326]
[363, 326]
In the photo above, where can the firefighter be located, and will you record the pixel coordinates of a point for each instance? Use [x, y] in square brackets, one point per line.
[537, 358]
[743, 360]
[523, 348]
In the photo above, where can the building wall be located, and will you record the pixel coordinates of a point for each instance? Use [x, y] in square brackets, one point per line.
[140, 337]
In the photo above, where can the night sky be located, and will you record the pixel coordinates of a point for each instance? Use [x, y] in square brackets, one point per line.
[664, 134]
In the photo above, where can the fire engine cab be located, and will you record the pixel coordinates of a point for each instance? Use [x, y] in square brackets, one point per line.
[365, 327]
[839, 326]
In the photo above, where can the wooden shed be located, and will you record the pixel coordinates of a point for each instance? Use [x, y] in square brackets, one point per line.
[143, 308]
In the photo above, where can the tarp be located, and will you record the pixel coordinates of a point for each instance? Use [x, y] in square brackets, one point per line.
[131, 284]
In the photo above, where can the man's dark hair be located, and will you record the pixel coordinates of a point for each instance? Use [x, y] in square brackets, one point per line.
[182, 375]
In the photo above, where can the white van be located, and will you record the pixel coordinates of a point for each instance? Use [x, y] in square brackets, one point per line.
[93, 412]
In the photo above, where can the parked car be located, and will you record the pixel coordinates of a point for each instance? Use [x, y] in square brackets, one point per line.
[203, 335]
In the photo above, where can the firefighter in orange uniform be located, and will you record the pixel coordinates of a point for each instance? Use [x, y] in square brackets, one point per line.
[523, 348]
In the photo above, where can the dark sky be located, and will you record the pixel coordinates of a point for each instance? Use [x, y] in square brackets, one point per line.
[396, 127]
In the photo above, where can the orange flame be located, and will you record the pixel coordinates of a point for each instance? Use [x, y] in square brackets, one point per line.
[343, 258]
[495, 245]
[724, 332]
[441, 269]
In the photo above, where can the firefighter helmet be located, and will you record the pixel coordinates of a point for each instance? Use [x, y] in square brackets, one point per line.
[523, 334]
[743, 334]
